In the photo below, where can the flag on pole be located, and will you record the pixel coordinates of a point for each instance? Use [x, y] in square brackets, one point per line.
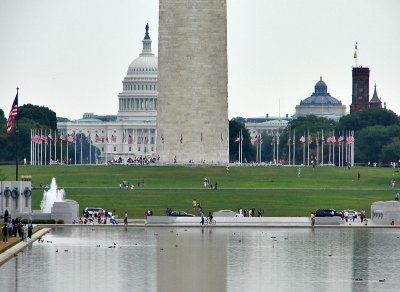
[309, 139]
[13, 114]
[107, 139]
[80, 140]
[272, 141]
[236, 140]
[88, 139]
[277, 139]
[123, 137]
[113, 139]
[46, 141]
[288, 141]
[340, 139]
[131, 140]
[252, 141]
[50, 136]
[98, 139]
[333, 139]
[323, 140]
[302, 139]
[62, 137]
[260, 139]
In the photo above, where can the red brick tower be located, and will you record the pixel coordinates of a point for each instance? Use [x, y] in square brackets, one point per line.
[360, 96]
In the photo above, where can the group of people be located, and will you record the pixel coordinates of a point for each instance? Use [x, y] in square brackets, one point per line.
[346, 216]
[125, 184]
[14, 227]
[206, 182]
[251, 212]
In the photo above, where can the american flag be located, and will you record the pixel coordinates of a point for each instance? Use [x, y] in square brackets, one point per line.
[323, 140]
[294, 139]
[236, 140]
[260, 139]
[80, 140]
[62, 137]
[316, 140]
[50, 136]
[131, 140]
[288, 141]
[340, 139]
[71, 138]
[37, 139]
[88, 138]
[277, 139]
[113, 138]
[309, 139]
[13, 114]
[45, 140]
[107, 139]
[302, 139]
[333, 139]
[252, 141]
[272, 141]
[98, 139]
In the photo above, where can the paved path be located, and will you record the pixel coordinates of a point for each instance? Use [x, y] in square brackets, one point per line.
[230, 189]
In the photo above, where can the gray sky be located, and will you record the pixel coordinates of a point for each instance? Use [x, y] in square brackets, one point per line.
[72, 56]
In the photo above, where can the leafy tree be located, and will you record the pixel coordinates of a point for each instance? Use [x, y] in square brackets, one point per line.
[40, 114]
[367, 118]
[391, 152]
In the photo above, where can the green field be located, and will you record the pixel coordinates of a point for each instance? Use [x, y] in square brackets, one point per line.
[274, 202]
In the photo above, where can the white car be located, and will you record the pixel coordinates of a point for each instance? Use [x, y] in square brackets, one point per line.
[226, 213]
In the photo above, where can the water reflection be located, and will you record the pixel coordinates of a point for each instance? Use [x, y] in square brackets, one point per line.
[209, 259]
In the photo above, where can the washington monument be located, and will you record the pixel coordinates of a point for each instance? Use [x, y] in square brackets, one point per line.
[192, 112]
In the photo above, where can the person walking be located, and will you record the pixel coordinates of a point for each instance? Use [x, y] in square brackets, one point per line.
[5, 233]
[30, 230]
[126, 218]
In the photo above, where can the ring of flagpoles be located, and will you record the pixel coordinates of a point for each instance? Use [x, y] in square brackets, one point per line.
[7, 192]
[27, 193]
[15, 193]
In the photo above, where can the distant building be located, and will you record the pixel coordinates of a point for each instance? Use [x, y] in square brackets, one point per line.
[132, 132]
[360, 94]
[321, 104]
[268, 125]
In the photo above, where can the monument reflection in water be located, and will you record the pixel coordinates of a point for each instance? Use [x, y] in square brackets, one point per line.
[209, 259]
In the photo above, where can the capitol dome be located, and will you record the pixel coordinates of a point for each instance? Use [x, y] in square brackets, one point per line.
[138, 99]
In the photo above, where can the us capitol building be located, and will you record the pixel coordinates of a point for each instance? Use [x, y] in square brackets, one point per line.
[132, 133]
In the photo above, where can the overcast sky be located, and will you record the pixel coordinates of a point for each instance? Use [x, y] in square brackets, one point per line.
[72, 56]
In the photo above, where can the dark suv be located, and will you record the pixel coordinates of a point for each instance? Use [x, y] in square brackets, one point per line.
[327, 213]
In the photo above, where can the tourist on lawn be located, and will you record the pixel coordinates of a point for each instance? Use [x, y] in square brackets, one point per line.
[216, 186]
[194, 204]
[6, 215]
[126, 218]
[346, 216]
[396, 197]
[24, 233]
[10, 228]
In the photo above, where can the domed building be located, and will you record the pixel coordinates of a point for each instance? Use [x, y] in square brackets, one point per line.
[321, 104]
[132, 132]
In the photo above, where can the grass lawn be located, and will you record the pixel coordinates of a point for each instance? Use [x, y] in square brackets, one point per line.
[274, 202]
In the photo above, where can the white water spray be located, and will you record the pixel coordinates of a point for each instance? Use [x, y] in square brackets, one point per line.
[51, 196]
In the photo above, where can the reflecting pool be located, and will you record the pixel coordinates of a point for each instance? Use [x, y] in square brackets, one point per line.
[207, 259]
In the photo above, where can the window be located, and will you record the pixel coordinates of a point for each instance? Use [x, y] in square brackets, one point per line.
[102, 149]
[138, 148]
[130, 149]
[115, 149]
[102, 140]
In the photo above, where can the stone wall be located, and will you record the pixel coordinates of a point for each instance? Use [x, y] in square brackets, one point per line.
[382, 213]
[192, 113]
[16, 197]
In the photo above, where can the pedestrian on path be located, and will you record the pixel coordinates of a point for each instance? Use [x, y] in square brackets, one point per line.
[5, 233]
[126, 218]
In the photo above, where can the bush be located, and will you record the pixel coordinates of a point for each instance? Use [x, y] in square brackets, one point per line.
[60, 221]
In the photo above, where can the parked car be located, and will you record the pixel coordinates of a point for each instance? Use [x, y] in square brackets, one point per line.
[226, 213]
[180, 214]
[327, 213]
[93, 210]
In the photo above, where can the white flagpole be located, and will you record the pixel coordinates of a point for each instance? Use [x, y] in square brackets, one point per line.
[30, 161]
[90, 149]
[75, 147]
[41, 147]
[308, 147]
[81, 140]
[55, 145]
[50, 147]
[322, 146]
[67, 150]
[294, 147]
[260, 146]
[289, 146]
[352, 148]
[277, 148]
[45, 147]
[304, 151]
[317, 148]
[333, 150]
[61, 150]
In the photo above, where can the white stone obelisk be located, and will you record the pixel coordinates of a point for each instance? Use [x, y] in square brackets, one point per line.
[192, 111]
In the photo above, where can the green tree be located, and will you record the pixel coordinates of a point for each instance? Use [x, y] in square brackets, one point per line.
[391, 151]
[367, 118]
[40, 114]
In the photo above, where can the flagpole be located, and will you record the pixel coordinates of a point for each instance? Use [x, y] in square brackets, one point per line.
[277, 148]
[260, 146]
[67, 149]
[45, 147]
[81, 140]
[90, 149]
[289, 148]
[317, 149]
[304, 151]
[322, 146]
[333, 150]
[75, 147]
[55, 145]
[308, 148]
[294, 147]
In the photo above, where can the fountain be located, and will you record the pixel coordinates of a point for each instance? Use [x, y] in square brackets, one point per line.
[51, 196]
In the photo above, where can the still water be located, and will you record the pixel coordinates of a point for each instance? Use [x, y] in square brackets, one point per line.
[209, 259]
